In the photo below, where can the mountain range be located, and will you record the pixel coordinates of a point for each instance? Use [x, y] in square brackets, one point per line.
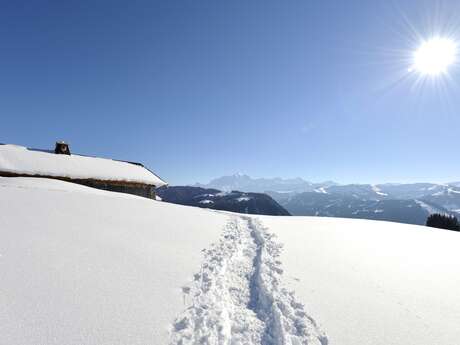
[401, 202]
[233, 201]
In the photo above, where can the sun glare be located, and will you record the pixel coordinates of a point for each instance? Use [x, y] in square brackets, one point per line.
[434, 56]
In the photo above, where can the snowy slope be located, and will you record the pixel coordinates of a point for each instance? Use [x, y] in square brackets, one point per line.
[370, 282]
[83, 266]
[21, 160]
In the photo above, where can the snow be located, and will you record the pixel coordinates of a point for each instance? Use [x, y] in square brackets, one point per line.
[204, 196]
[442, 192]
[430, 209]
[85, 266]
[378, 191]
[236, 296]
[446, 190]
[321, 190]
[373, 282]
[21, 160]
[243, 198]
[206, 201]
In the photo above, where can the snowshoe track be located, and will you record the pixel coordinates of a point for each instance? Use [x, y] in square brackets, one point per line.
[237, 297]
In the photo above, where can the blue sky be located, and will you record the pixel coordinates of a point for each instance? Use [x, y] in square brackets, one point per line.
[199, 89]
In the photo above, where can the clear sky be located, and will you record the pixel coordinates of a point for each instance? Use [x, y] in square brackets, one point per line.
[199, 89]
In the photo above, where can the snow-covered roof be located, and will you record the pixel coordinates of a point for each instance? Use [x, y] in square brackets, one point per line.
[20, 160]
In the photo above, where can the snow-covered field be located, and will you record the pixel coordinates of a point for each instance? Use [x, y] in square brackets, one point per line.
[372, 282]
[82, 266]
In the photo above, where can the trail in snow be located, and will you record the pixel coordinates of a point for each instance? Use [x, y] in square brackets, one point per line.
[237, 297]
[285, 319]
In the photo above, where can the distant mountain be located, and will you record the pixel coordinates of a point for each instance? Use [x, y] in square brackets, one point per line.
[234, 201]
[411, 190]
[346, 206]
[403, 203]
[260, 185]
[406, 203]
[449, 199]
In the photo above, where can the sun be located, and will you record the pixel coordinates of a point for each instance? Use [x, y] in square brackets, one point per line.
[434, 56]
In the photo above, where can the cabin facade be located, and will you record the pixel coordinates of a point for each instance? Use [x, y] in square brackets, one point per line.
[106, 174]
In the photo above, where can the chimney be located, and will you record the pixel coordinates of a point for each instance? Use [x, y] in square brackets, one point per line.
[61, 148]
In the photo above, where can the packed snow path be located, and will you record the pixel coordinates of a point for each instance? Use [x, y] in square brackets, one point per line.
[237, 297]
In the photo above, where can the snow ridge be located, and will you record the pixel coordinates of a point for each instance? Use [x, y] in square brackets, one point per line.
[237, 298]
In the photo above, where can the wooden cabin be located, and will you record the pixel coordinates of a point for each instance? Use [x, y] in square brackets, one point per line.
[101, 173]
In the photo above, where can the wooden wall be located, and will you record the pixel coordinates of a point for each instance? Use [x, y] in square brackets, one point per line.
[144, 190]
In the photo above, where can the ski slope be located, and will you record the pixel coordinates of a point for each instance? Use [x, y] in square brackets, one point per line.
[83, 266]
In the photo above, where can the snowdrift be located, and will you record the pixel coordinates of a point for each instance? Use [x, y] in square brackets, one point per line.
[84, 266]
